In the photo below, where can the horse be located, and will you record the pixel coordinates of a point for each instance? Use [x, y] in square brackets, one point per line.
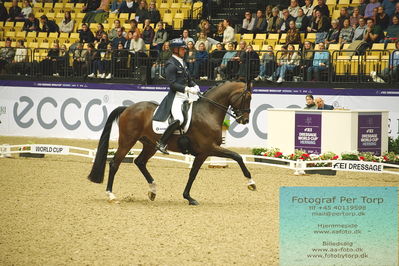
[204, 134]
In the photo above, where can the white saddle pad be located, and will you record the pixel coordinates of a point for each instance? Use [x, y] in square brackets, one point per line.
[159, 127]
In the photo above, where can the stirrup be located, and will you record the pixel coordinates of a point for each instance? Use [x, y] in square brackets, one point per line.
[162, 148]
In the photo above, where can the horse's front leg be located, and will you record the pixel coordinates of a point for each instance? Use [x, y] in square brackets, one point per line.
[225, 153]
[198, 161]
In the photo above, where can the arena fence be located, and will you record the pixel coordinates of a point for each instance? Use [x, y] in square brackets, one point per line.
[343, 66]
[299, 167]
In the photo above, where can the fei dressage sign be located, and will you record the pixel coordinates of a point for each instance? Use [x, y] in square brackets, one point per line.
[357, 166]
[80, 110]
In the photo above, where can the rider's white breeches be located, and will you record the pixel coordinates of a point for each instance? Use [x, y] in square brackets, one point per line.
[177, 104]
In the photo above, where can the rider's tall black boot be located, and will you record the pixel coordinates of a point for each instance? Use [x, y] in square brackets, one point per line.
[161, 144]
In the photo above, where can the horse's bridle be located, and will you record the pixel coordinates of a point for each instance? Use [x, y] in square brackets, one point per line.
[237, 113]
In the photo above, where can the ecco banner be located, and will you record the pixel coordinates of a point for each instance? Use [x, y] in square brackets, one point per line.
[72, 110]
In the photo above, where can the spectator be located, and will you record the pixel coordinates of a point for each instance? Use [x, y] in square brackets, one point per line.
[310, 104]
[285, 21]
[247, 23]
[104, 41]
[218, 35]
[79, 61]
[293, 8]
[128, 6]
[267, 64]
[129, 37]
[205, 26]
[142, 12]
[61, 61]
[99, 33]
[220, 71]
[185, 37]
[308, 8]
[114, 31]
[85, 34]
[27, 9]
[320, 63]
[215, 58]
[389, 7]
[373, 33]
[323, 8]
[31, 24]
[105, 63]
[396, 13]
[369, 8]
[119, 38]
[260, 23]
[48, 25]
[358, 34]
[362, 7]
[153, 13]
[200, 64]
[91, 5]
[343, 14]
[190, 57]
[7, 54]
[119, 58]
[67, 24]
[274, 22]
[137, 46]
[288, 61]
[15, 11]
[249, 64]
[268, 12]
[104, 7]
[321, 105]
[301, 21]
[228, 34]
[92, 60]
[391, 73]
[48, 64]
[382, 18]
[18, 64]
[354, 19]
[134, 26]
[307, 53]
[148, 32]
[3, 12]
[346, 34]
[393, 30]
[160, 37]
[202, 38]
[319, 25]
[158, 68]
[293, 36]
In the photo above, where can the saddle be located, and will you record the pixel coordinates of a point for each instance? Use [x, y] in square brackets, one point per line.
[159, 127]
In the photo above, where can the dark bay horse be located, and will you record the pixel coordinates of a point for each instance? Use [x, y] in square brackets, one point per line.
[205, 135]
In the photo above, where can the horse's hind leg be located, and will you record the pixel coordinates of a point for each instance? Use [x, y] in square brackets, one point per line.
[141, 162]
[124, 146]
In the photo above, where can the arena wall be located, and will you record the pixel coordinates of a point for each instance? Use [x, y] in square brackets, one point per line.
[79, 110]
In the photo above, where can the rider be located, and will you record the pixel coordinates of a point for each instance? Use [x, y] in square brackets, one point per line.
[181, 85]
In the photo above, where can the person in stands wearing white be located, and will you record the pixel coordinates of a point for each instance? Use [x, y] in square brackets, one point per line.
[228, 34]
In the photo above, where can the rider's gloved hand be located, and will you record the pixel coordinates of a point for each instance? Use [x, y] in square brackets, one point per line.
[192, 90]
[197, 88]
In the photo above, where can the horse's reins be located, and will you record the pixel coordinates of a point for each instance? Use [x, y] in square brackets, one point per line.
[226, 108]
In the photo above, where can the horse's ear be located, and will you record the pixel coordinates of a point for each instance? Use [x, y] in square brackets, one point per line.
[249, 86]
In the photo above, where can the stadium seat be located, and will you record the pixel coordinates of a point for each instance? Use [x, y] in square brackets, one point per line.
[68, 6]
[334, 47]
[124, 17]
[391, 47]
[19, 25]
[10, 34]
[259, 38]
[372, 63]
[79, 7]
[283, 38]
[311, 37]
[168, 18]
[20, 35]
[272, 39]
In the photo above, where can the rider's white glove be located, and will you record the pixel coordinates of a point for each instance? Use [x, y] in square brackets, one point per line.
[192, 90]
[197, 88]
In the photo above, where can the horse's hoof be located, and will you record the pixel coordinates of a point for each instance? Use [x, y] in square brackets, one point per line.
[115, 201]
[252, 187]
[193, 202]
[151, 195]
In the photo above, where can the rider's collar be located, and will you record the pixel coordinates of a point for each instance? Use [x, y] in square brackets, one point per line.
[179, 59]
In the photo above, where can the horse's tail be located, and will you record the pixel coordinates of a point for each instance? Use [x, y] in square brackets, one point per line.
[97, 171]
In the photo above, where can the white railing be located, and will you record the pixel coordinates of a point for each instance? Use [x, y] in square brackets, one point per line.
[298, 166]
